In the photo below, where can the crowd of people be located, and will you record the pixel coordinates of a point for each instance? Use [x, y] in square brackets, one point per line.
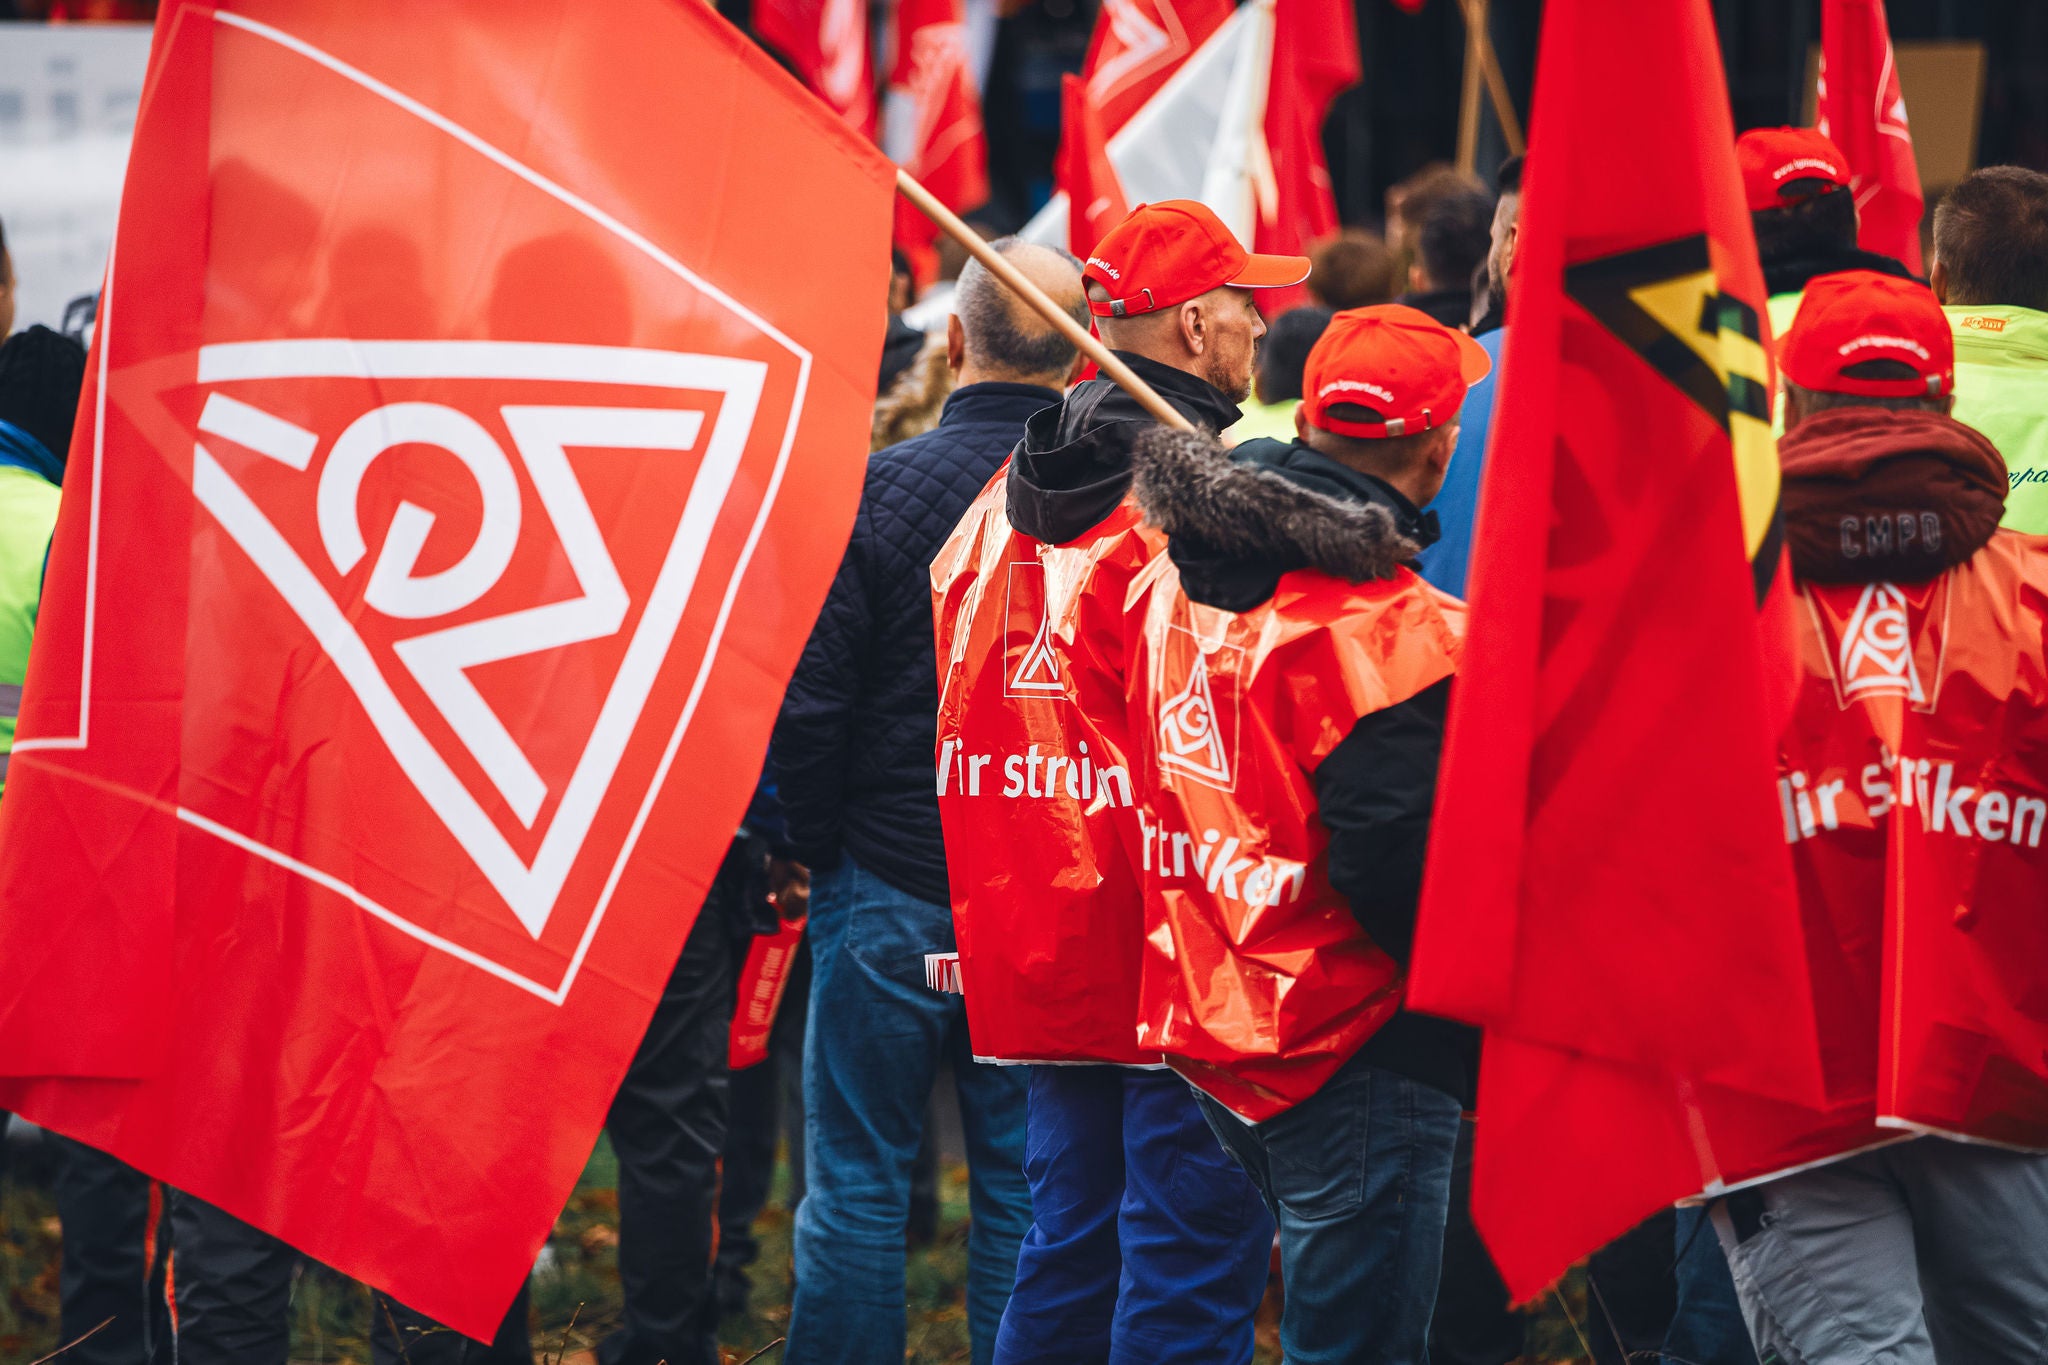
[1135, 857]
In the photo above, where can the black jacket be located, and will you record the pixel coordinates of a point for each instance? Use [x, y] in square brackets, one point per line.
[1451, 307]
[1074, 464]
[853, 745]
[1294, 508]
[1791, 276]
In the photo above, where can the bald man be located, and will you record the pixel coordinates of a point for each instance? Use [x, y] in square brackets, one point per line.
[853, 762]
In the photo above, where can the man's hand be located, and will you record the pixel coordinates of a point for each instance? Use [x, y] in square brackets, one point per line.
[789, 888]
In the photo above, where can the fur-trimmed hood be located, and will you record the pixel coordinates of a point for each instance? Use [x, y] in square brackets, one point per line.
[1236, 521]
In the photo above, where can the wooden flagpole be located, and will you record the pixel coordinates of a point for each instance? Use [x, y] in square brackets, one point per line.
[1480, 43]
[949, 223]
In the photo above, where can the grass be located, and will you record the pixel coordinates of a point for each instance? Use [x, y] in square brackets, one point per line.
[576, 1288]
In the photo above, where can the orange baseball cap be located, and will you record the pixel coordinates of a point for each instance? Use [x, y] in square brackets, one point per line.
[1167, 253]
[1389, 370]
[1852, 317]
[1774, 158]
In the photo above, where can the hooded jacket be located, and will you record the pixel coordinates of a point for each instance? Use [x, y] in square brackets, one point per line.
[1913, 782]
[1291, 684]
[1074, 464]
[1035, 789]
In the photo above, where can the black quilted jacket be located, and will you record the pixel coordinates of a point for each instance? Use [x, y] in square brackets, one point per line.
[853, 746]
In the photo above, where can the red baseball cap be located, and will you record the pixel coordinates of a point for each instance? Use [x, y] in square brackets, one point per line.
[1167, 253]
[1396, 369]
[1855, 316]
[1774, 158]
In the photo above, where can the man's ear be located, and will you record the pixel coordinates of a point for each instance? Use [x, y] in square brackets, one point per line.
[1937, 280]
[956, 343]
[1418, 281]
[1440, 453]
[1194, 326]
[1301, 423]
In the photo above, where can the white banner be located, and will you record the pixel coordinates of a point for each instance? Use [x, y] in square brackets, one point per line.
[68, 96]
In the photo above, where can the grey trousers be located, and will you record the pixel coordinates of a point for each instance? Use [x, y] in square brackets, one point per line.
[1923, 1253]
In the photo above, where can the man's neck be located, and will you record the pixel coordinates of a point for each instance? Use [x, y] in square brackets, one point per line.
[973, 374]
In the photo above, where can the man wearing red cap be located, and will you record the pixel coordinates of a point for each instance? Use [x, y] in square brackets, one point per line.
[1797, 184]
[1914, 786]
[1289, 686]
[1147, 1243]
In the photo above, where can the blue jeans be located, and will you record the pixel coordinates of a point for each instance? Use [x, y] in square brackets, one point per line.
[871, 1052]
[1359, 1177]
[1708, 1327]
[1148, 1245]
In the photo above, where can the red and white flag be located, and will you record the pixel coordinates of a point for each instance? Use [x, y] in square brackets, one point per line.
[1138, 45]
[949, 151]
[1863, 112]
[1095, 199]
[462, 465]
[828, 42]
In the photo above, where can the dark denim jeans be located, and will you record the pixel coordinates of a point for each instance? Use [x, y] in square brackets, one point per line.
[1359, 1177]
[1707, 1329]
[871, 1053]
[1148, 1245]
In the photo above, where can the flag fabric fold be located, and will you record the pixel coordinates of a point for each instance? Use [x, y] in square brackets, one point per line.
[1138, 45]
[411, 635]
[1083, 173]
[1609, 892]
[827, 42]
[1862, 110]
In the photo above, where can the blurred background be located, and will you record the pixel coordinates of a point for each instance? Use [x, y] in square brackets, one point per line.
[1974, 74]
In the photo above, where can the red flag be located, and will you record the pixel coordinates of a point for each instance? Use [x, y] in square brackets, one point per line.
[1609, 885]
[949, 155]
[1138, 45]
[1095, 199]
[449, 504]
[827, 42]
[1315, 56]
[1862, 110]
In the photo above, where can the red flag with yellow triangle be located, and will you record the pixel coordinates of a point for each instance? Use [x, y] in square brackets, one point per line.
[1609, 892]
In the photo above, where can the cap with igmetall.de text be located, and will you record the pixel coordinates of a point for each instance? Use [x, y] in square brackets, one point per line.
[1852, 317]
[1389, 370]
[1167, 253]
[1773, 160]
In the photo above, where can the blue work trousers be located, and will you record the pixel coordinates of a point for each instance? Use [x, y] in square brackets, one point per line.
[1148, 1245]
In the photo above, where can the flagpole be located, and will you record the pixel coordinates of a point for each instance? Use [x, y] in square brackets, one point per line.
[1480, 42]
[1105, 360]
[1469, 96]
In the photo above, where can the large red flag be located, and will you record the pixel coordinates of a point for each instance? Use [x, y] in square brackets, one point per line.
[1138, 45]
[1095, 198]
[949, 153]
[1608, 880]
[1861, 109]
[463, 464]
[1315, 57]
[827, 41]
